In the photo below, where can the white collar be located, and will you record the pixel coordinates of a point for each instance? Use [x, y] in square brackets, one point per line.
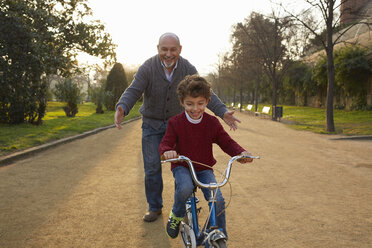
[192, 120]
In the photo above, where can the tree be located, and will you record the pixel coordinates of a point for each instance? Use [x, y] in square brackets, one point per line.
[319, 75]
[267, 36]
[115, 85]
[21, 86]
[298, 83]
[229, 76]
[329, 21]
[39, 38]
[250, 61]
[214, 77]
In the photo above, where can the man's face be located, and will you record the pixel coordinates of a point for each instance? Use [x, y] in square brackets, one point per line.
[169, 51]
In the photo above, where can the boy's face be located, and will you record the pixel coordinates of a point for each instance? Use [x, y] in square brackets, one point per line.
[195, 106]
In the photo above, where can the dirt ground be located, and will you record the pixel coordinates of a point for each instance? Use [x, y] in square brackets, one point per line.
[307, 190]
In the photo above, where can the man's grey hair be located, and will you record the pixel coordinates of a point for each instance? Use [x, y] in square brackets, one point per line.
[170, 35]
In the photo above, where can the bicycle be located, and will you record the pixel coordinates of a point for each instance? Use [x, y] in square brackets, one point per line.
[211, 236]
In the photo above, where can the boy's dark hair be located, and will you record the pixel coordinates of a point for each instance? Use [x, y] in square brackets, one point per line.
[194, 86]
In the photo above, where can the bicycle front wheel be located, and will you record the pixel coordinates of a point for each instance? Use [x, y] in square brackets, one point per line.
[188, 236]
[221, 243]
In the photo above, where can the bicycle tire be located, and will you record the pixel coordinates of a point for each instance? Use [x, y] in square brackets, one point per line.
[221, 243]
[188, 236]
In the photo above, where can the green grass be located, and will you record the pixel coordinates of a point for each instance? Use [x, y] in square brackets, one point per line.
[56, 126]
[314, 120]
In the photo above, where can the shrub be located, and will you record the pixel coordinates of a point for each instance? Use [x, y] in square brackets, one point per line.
[97, 94]
[69, 92]
[352, 71]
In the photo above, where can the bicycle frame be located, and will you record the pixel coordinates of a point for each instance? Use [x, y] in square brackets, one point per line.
[211, 234]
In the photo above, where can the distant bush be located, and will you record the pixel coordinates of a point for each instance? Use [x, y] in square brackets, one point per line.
[352, 68]
[97, 95]
[352, 71]
[69, 92]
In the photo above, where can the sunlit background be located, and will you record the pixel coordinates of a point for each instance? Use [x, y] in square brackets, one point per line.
[204, 26]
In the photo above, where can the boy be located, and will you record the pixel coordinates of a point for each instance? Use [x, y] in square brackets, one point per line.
[192, 134]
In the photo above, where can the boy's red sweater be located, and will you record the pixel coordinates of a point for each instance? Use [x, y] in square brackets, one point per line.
[195, 141]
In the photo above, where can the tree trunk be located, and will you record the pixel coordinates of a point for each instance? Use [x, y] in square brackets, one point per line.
[234, 96]
[330, 91]
[330, 69]
[255, 98]
[275, 84]
[241, 99]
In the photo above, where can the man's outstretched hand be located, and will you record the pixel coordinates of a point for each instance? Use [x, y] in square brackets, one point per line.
[230, 120]
[119, 116]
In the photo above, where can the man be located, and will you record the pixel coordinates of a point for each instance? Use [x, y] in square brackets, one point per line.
[157, 79]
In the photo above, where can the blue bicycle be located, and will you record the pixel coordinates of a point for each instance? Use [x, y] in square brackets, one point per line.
[211, 236]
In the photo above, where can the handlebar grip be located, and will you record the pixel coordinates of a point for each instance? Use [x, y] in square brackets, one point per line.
[162, 157]
[253, 157]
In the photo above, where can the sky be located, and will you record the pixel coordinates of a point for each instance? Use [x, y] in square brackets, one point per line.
[203, 26]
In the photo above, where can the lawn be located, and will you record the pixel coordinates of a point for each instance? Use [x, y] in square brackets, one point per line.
[314, 120]
[55, 126]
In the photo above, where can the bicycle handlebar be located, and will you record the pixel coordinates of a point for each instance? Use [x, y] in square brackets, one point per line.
[210, 185]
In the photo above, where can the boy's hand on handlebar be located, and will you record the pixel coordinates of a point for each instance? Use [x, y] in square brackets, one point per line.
[245, 160]
[169, 155]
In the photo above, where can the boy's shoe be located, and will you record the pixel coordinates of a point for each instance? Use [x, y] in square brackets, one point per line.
[173, 225]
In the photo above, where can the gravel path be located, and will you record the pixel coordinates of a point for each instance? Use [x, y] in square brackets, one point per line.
[306, 191]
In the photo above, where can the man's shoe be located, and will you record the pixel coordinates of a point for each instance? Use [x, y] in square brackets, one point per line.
[173, 225]
[151, 215]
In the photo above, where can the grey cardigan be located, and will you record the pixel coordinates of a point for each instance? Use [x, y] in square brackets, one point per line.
[160, 100]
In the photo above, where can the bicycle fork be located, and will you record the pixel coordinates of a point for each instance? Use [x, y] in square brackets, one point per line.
[214, 232]
[210, 233]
